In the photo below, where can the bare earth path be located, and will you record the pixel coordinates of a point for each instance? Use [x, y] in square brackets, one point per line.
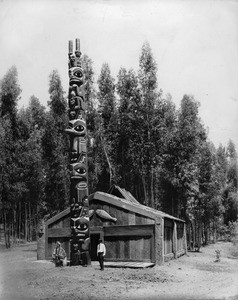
[195, 276]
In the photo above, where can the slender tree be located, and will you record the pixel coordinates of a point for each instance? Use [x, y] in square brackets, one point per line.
[32, 121]
[107, 126]
[165, 130]
[130, 124]
[92, 117]
[230, 195]
[189, 140]
[55, 147]
[148, 89]
[12, 187]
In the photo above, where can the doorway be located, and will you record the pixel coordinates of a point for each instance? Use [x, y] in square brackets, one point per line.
[94, 242]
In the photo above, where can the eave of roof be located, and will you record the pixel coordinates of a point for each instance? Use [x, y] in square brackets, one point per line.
[119, 202]
[58, 216]
[134, 207]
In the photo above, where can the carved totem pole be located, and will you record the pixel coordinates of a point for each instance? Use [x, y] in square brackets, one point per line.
[79, 206]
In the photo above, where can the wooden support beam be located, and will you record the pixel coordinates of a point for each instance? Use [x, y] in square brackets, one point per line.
[185, 238]
[152, 247]
[175, 240]
[159, 240]
[46, 242]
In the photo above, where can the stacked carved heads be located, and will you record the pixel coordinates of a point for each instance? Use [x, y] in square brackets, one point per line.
[79, 207]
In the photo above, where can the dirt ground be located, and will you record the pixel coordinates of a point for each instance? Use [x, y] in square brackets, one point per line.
[193, 276]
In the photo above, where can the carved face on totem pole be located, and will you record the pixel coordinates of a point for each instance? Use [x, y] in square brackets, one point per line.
[76, 76]
[79, 209]
[76, 102]
[76, 128]
[77, 149]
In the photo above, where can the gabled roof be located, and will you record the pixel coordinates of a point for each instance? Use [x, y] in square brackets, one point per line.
[125, 201]
[135, 207]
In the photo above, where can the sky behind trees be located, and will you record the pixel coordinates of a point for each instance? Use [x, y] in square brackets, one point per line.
[195, 45]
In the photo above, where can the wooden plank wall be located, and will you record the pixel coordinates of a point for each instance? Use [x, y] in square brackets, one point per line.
[180, 236]
[133, 237]
[58, 231]
[174, 238]
[129, 243]
[123, 216]
[168, 236]
[62, 223]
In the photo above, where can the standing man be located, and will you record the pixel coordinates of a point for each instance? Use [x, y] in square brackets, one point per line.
[101, 251]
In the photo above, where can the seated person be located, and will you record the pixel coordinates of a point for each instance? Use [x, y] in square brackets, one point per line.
[59, 255]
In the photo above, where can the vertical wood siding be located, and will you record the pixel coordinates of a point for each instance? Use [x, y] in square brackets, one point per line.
[168, 236]
[128, 248]
[180, 236]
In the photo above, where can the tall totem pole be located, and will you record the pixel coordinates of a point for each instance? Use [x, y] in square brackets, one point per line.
[79, 206]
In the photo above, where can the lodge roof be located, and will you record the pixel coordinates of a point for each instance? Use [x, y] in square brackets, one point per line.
[121, 198]
[135, 207]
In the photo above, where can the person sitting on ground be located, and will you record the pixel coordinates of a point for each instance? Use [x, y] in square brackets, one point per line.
[59, 255]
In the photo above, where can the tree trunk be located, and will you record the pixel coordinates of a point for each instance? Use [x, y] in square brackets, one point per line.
[30, 224]
[123, 166]
[206, 234]
[4, 225]
[214, 232]
[108, 161]
[6, 229]
[199, 237]
[26, 228]
[144, 189]
[194, 235]
[14, 224]
[152, 188]
[19, 221]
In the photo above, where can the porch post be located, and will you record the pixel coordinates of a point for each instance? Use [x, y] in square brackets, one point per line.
[159, 240]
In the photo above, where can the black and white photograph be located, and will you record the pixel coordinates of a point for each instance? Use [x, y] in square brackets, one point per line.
[118, 150]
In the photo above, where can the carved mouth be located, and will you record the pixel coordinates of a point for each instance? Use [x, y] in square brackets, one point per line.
[77, 81]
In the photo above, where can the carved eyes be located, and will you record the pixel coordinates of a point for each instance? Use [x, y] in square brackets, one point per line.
[81, 171]
[75, 72]
[79, 128]
[78, 74]
[82, 226]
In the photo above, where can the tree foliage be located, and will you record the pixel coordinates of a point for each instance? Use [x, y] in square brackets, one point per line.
[136, 138]
[55, 147]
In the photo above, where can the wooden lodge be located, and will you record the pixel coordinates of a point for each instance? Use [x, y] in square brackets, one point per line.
[131, 232]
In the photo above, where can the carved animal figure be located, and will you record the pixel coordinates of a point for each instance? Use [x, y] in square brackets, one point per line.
[79, 207]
